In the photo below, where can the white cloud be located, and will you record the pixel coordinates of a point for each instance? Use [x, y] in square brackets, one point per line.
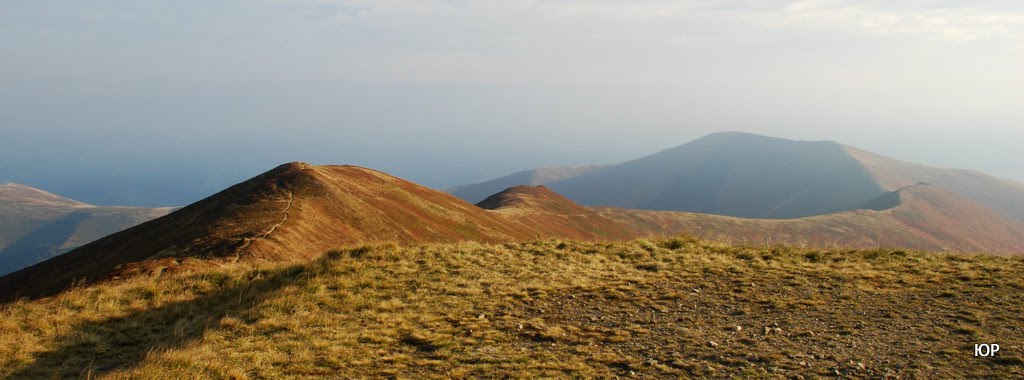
[951, 23]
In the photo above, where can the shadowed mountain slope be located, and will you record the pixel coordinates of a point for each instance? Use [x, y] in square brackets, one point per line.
[36, 225]
[735, 174]
[479, 191]
[917, 217]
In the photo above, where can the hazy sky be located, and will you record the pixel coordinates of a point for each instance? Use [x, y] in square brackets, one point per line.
[162, 102]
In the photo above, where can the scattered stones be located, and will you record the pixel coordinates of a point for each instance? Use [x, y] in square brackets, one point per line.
[738, 328]
[712, 344]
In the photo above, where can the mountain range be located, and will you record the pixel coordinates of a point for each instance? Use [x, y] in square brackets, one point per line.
[746, 175]
[299, 211]
[319, 271]
[36, 225]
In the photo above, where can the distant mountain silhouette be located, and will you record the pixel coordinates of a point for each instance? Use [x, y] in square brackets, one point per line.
[747, 175]
[735, 174]
[36, 225]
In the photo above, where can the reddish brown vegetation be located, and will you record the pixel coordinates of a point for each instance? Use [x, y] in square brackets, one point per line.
[299, 211]
[548, 214]
[294, 211]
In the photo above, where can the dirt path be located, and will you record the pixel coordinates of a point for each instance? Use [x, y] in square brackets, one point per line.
[248, 242]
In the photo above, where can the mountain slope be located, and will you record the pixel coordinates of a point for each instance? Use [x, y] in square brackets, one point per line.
[917, 217]
[16, 194]
[479, 191]
[549, 214]
[36, 225]
[298, 211]
[1003, 196]
[24, 209]
[294, 211]
[735, 174]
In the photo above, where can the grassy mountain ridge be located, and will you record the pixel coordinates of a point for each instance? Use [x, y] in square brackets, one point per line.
[297, 211]
[646, 308]
[291, 212]
[551, 215]
[1003, 196]
[342, 271]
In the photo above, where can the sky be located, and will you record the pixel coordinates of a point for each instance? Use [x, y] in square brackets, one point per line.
[164, 102]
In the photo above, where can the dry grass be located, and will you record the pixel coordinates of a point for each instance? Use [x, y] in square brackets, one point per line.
[648, 308]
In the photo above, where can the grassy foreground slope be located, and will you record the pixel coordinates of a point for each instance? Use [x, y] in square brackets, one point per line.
[649, 308]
